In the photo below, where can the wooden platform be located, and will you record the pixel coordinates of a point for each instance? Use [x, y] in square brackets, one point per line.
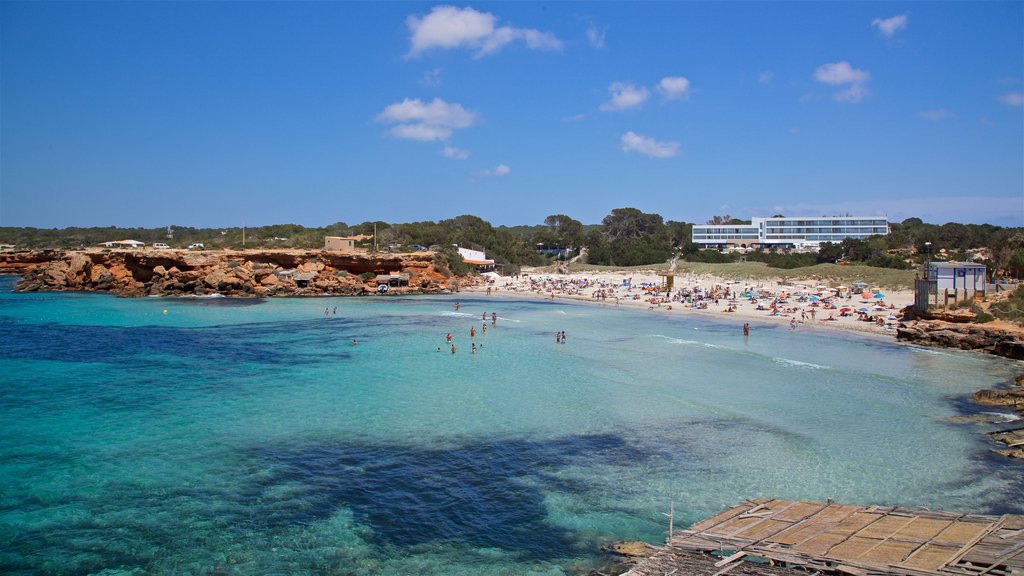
[839, 538]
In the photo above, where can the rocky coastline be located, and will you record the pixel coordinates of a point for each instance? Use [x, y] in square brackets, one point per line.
[998, 340]
[237, 273]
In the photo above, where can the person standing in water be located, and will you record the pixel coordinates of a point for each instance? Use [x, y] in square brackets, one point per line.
[494, 317]
[472, 331]
[746, 329]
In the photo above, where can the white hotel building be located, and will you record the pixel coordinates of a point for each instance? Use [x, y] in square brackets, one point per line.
[799, 232]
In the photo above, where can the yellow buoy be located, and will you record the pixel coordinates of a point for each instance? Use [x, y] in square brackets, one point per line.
[165, 311]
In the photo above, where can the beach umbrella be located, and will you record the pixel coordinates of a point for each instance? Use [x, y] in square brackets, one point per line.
[813, 298]
[867, 295]
[846, 309]
[879, 295]
[862, 309]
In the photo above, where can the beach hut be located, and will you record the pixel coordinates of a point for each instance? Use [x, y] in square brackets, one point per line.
[394, 279]
[302, 279]
[957, 280]
[341, 243]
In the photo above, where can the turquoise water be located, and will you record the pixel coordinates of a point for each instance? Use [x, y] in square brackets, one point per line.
[252, 437]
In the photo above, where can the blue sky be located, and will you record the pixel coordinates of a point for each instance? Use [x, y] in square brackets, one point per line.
[211, 114]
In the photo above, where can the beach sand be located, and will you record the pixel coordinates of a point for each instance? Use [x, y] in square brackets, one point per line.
[806, 303]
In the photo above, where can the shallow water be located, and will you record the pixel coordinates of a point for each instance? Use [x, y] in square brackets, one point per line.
[251, 437]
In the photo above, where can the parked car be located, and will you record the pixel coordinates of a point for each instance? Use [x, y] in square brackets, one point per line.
[196, 246]
[160, 246]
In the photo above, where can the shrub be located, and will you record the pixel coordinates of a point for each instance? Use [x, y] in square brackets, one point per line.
[367, 276]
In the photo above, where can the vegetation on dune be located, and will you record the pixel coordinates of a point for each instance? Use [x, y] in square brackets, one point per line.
[626, 237]
[1011, 309]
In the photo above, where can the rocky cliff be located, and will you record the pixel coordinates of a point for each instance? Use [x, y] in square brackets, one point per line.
[226, 272]
[998, 340]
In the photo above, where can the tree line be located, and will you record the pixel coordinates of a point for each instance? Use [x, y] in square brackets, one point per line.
[625, 237]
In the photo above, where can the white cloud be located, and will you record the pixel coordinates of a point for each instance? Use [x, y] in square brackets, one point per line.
[454, 153]
[499, 171]
[625, 96]
[438, 112]
[633, 142]
[415, 119]
[674, 88]
[448, 27]
[431, 78]
[595, 35]
[765, 76]
[889, 26]
[421, 132]
[841, 74]
[574, 118]
[937, 114]
[1015, 99]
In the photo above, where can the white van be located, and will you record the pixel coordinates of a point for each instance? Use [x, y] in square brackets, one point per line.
[160, 246]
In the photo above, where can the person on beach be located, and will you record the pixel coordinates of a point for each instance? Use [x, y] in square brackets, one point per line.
[474, 347]
[456, 306]
[453, 348]
[327, 312]
[449, 338]
[558, 337]
[563, 337]
[472, 331]
[792, 323]
[484, 327]
[494, 317]
[746, 329]
[484, 316]
[335, 312]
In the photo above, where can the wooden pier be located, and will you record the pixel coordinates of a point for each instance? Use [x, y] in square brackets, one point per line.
[771, 536]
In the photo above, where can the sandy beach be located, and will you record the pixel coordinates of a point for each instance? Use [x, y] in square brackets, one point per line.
[793, 303]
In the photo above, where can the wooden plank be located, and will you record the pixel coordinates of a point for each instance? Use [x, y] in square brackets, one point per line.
[889, 552]
[730, 559]
[884, 527]
[852, 548]
[855, 522]
[764, 530]
[962, 533]
[820, 544]
[727, 514]
[924, 529]
[817, 524]
[929, 557]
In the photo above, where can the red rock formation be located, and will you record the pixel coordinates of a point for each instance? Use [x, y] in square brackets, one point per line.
[228, 272]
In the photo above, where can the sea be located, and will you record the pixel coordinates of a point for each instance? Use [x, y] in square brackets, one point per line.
[155, 436]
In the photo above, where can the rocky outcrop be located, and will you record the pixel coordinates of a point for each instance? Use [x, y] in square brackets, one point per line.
[989, 339]
[230, 273]
[1010, 398]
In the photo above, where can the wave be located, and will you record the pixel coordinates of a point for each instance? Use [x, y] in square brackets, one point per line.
[797, 363]
[683, 342]
[1007, 417]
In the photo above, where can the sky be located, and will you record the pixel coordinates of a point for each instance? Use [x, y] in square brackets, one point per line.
[216, 114]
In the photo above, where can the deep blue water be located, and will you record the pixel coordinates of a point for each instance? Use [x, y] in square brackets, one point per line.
[252, 437]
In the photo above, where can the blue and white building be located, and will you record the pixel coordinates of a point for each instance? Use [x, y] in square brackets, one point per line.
[782, 232]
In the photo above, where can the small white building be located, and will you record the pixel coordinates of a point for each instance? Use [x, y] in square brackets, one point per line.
[476, 258]
[134, 244]
[343, 243]
[956, 276]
